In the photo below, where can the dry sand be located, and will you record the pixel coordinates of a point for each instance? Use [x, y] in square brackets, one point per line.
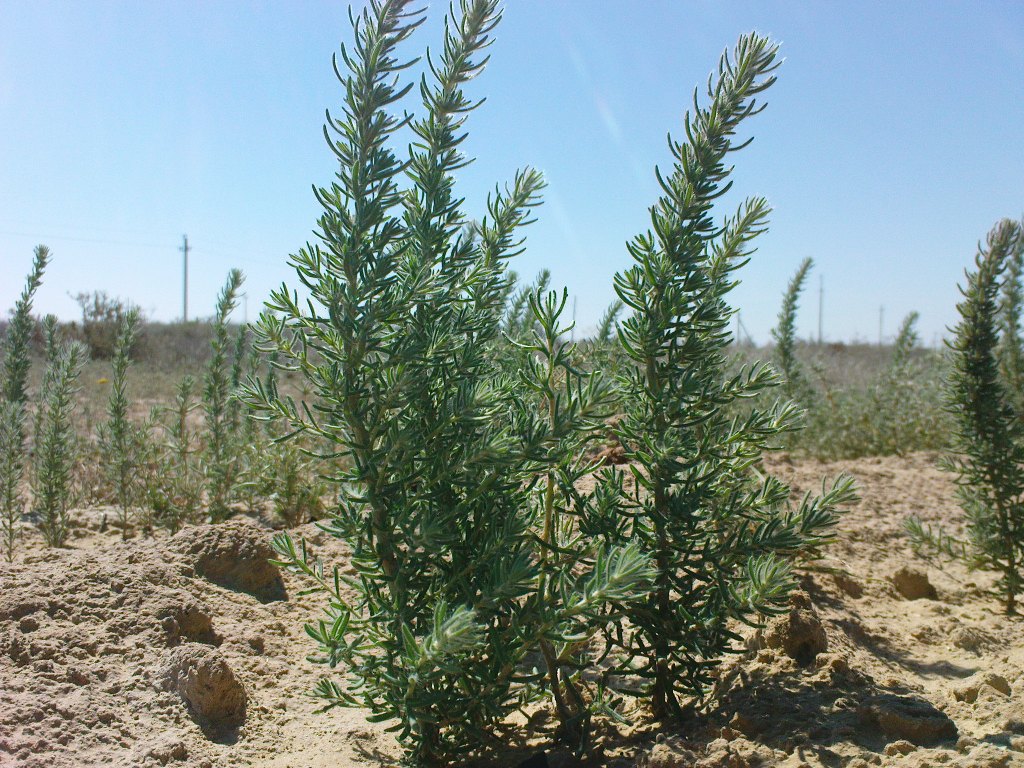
[101, 645]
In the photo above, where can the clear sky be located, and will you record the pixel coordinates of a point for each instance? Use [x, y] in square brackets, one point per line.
[893, 141]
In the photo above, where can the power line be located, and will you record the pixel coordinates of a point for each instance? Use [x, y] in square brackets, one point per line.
[98, 241]
[267, 261]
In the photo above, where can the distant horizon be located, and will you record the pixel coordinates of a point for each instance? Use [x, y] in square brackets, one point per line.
[580, 334]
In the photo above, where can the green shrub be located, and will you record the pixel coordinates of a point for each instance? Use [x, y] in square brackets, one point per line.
[13, 401]
[485, 576]
[102, 320]
[56, 442]
[898, 410]
[174, 484]
[578, 529]
[123, 445]
[989, 431]
[721, 534]
[442, 449]
[795, 383]
[223, 449]
[285, 470]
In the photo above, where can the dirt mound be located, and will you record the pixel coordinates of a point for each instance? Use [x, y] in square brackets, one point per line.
[913, 584]
[189, 651]
[799, 634]
[130, 654]
[235, 555]
[911, 720]
[204, 681]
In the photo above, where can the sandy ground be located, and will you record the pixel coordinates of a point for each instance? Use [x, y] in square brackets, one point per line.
[101, 644]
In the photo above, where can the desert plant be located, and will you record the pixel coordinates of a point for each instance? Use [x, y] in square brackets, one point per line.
[796, 385]
[12, 470]
[123, 445]
[576, 531]
[284, 470]
[1011, 346]
[721, 534]
[904, 407]
[56, 443]
[102, 321]
[221, 410]
[439, 451]
[519, 318]
[407, 308]
[606, 325]
[906, 341]
[174, 488]
[288, 478]
[989, 433]
[899, 409]
[13, 399]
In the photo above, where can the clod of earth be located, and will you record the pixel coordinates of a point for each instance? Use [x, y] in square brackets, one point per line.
[969, 689]
[913, 584]
[908, 719]
[234, 555]
[670, 754]
[215, 698]
[970, 638]
[900, 747]
[184, 621]
[799, 634]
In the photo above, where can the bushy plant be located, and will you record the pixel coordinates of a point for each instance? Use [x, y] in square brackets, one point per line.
[605, 332]
[577, 529]
[904, 404]
[1010, 351]
[486, 576]
[989, 430]
[56, 442]
[223, 449]
[285, 471]
[102, 320]
[123, 445]
[13, 401]
[458, 581]
[721, 533]
[898, 410]
[518, 320]
[287, 477]
[795, 382]
[174, 486]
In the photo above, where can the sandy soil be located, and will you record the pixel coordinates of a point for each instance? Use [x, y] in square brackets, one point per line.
[102, 644]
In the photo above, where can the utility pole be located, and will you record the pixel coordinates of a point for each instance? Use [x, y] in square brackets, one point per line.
[184, 279]
[821, 305]
[741, 331]
[881, 317]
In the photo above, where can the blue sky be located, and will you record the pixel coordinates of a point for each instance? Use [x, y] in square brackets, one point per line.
[892, 142]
